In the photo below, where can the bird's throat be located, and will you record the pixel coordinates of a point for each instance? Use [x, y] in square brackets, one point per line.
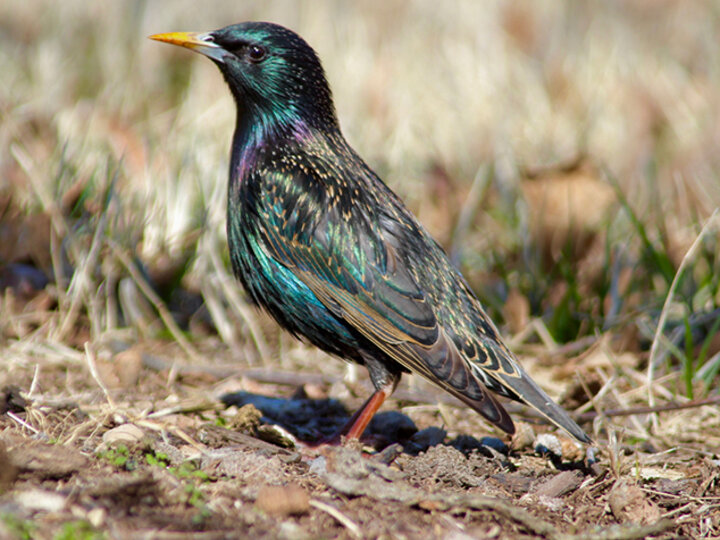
[256, 133]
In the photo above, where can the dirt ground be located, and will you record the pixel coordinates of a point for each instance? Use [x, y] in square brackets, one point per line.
[146, 447]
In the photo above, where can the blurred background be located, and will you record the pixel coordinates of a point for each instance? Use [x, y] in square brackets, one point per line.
[564, 153]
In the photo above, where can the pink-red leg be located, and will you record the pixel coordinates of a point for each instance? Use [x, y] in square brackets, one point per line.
[355, 427]
[360, 420]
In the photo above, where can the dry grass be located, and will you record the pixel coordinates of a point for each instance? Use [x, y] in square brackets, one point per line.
[564, 153]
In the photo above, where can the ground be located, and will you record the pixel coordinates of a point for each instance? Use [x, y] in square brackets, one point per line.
[148, 447]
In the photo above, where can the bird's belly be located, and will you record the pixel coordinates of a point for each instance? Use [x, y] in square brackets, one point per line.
[290, 302]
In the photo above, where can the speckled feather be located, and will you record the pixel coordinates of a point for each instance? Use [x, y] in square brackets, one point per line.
[332, 253]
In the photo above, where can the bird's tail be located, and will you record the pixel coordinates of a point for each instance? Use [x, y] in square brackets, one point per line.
[521, 387]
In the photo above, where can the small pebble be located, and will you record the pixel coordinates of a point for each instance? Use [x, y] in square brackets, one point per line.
[289, 530]
[275, 434]
[283, 500]
[126, 434]
[524, 436]
[41, 500]
[546, 443]
[97, 517]
[389, 454]
[571, 450]
[318, 466]
[246, 419]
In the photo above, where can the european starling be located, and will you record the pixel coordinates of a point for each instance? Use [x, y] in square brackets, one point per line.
[320, 242]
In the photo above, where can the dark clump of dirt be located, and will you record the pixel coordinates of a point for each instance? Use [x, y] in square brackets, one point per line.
[307, 419]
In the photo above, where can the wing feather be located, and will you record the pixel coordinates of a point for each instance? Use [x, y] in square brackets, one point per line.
[388, 307]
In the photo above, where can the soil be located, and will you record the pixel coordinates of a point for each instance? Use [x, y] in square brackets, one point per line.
[208, 450]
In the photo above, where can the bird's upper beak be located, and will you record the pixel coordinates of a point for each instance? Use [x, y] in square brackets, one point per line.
[202, 43]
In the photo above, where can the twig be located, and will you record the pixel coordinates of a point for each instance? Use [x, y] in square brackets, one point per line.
[345, 521]
[238, 438]
[188, 406]
[157, 303]
[34, 383]
[545, 529]
[90, 358]
[22, 422]
[537, 525]
[544, 334]
[188, 439]
[264, 375]
[668, 299]
[576, 346]
[650, 410]
[593, 399]
[626, 532]
[298, 379]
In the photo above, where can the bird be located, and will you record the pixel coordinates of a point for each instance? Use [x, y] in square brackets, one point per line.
[320, 242]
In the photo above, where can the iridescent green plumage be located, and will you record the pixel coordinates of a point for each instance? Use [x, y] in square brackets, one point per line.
[331, 252]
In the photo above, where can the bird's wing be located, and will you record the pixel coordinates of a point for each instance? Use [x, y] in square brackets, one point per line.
[351, 264]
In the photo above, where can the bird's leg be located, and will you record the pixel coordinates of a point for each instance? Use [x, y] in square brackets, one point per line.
[354, 428]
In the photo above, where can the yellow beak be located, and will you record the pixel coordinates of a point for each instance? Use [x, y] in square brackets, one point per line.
[202, 43]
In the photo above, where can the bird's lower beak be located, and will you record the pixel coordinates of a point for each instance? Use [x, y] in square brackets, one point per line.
[198, 42]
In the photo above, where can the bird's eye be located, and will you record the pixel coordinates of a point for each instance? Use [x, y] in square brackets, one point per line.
[256, 53]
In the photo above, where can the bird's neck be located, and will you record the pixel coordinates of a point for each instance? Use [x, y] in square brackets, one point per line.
[255, 132]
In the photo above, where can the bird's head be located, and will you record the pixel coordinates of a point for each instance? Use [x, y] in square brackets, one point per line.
[274, 75]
